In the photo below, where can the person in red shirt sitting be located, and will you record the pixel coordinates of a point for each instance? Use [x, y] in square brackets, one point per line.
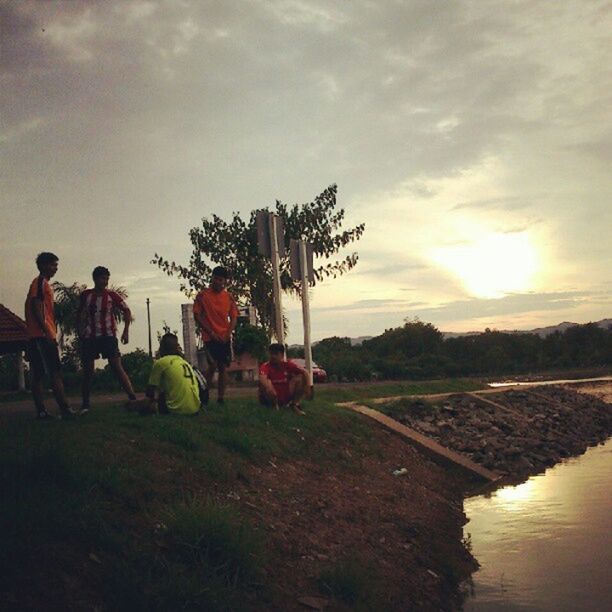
[281, 383]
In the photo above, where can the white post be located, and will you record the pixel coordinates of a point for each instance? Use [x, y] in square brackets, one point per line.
[189, 334]
[20, 371]
[276, 282]
[306, 314]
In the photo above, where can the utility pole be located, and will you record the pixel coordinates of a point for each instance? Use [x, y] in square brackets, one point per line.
[306, 314]
[301, 266]
[279, 327]
[149, 326]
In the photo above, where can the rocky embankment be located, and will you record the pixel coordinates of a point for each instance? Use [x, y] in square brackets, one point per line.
[515, 433]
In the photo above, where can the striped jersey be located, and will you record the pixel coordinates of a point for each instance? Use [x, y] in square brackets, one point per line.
[100, 312]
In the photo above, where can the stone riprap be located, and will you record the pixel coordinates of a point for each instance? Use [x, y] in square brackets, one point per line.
[515, 433]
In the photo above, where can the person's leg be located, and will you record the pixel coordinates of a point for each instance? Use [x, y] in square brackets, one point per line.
[210, 374]
[38, 394]
[296, 391]
[221, 383]
[266, 397]
[57, 385]
[37, 375]
[120, 373]
[88, 365]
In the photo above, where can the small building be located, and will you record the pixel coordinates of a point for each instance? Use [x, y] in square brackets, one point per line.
[13, 339]
[244, 368]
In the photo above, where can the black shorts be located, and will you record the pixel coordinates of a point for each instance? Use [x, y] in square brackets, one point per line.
[106, 347]
[218, 352]
[43, 356]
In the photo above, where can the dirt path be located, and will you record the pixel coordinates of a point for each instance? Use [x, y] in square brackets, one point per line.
[601, 390]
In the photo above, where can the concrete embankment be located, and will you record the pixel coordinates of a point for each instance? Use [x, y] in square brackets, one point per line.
[517, 432]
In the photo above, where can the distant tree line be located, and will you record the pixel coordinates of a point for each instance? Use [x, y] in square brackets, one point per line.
[419, 350]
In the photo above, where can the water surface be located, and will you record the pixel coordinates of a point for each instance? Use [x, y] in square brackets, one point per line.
[546, 544]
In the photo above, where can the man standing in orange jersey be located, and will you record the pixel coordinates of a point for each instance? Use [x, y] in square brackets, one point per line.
[42, 350]
[216, 313]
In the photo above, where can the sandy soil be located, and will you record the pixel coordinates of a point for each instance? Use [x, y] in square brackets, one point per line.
[407, 529]
[601, 390]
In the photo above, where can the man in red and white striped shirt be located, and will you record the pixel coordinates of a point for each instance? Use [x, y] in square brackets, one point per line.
[97, 318]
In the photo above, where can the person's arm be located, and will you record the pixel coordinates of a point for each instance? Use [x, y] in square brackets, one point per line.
[39, 314]
[37, 304]
[147, 405]
[208, 329]
[150, 402]
[127, 317]
[233, 317]
[81, 317]
[200, 317]
[119, 302]
[266, 383]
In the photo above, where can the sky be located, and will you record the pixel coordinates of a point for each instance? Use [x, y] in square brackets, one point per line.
[473, 138]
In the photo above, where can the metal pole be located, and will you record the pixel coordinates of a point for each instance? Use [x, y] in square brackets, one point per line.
[306, 315]
[149, 326]
[276, 282]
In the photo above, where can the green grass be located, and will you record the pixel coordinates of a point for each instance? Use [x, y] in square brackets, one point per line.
[355, 583]
[101, 483]
[106, 483]
[389, 389]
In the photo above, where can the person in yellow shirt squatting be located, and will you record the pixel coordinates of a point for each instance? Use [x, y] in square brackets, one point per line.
[173, 384]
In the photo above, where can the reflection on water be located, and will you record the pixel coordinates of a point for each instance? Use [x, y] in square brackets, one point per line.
[546, 544]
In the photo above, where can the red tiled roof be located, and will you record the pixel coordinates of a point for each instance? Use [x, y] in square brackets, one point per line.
[12, 328]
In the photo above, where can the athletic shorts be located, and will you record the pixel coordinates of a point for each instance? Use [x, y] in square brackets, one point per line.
[218, 352]
[43, 355]
[106, 347]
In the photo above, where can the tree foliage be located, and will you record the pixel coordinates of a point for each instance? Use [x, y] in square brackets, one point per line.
[250, 339]
[419, 350]
[233, 245]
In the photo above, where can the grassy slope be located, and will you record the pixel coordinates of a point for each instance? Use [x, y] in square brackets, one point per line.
[121, 511]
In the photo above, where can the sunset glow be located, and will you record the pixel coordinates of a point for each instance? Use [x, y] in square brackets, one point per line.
[493, 265]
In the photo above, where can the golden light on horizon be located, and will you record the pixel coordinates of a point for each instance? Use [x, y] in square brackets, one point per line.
[493, 265]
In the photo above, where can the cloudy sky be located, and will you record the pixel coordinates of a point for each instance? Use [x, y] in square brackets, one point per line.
[473, 137]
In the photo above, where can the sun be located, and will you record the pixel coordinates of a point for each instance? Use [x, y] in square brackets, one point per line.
[493, 265]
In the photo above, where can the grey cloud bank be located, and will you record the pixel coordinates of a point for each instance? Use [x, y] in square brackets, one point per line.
[124, 123]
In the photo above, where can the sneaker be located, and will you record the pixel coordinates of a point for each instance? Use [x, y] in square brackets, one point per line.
[68, 414]
[83, 410]
[43, 415]
[296, 408]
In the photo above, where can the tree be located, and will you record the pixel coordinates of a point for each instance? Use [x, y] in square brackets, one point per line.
[233, 245]
[250, 339]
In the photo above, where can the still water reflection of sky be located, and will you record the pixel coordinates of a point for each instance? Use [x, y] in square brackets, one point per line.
[546, 544]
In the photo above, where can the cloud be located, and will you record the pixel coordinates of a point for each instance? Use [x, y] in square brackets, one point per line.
[125, 123]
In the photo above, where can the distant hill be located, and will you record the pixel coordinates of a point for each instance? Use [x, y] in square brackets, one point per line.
[540, 331]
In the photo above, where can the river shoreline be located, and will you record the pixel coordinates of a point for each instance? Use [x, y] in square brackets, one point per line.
[516, 433]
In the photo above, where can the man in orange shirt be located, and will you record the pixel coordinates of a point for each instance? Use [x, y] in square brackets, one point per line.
[42, 351]
[216, 313]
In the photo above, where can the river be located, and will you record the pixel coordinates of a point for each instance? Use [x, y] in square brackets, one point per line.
[546, 544]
